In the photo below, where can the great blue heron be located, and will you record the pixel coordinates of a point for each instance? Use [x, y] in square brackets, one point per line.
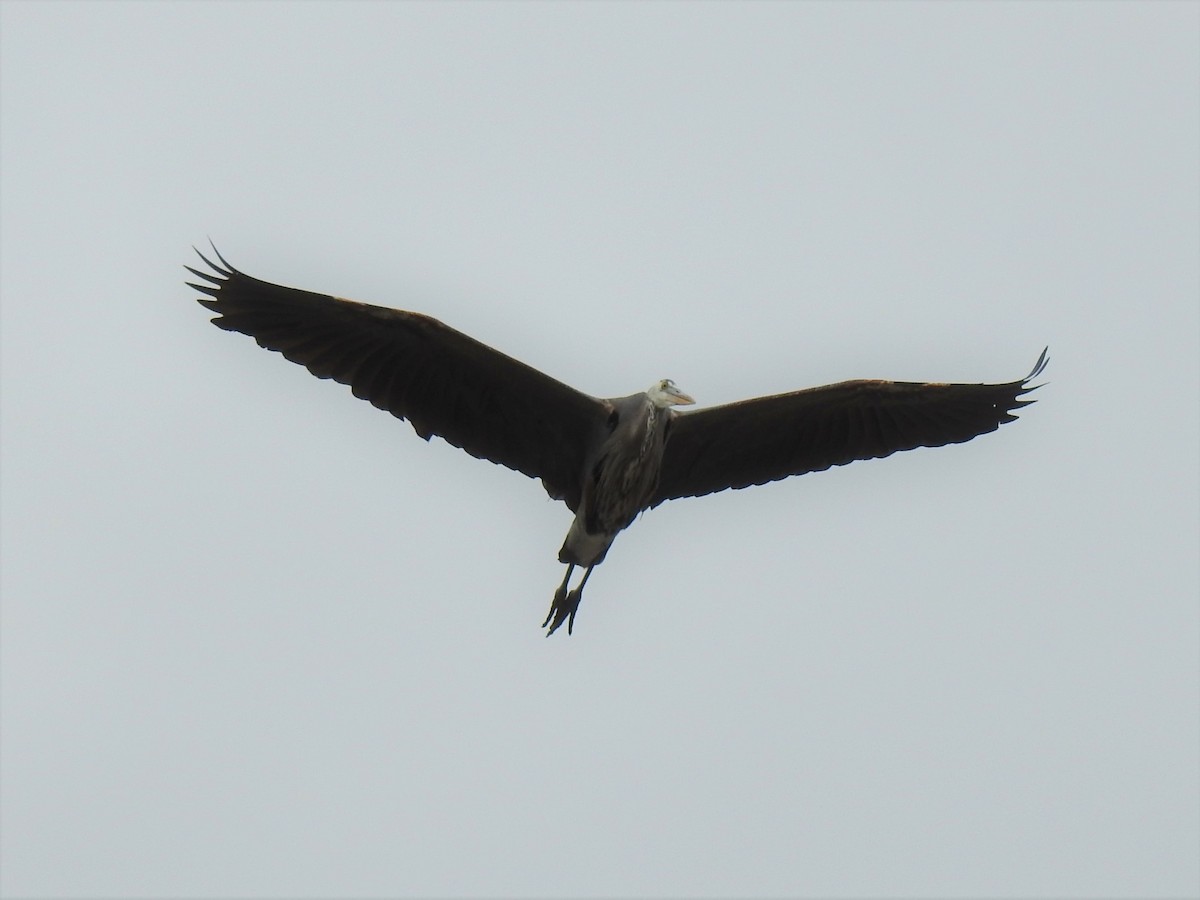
[608, 460]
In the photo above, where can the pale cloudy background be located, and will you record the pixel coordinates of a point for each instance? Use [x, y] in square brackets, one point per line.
[260, 640]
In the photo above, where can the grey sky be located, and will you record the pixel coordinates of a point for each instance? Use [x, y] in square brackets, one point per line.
[259, 639]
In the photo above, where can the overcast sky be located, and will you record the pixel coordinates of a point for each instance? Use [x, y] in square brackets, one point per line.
[258, 639]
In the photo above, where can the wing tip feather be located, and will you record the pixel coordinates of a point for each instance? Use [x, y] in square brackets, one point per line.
[1038, 367]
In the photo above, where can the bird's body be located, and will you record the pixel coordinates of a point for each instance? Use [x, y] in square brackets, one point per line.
[607, 460]
[620, 478]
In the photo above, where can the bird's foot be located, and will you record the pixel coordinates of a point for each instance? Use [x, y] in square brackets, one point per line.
[563, 609]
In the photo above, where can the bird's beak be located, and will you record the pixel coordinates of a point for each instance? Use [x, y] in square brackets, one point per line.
[681, 399]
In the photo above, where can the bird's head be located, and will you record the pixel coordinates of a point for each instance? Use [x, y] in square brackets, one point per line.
[664, 393]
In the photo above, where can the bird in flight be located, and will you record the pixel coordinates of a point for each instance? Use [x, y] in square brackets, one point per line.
[607, 460]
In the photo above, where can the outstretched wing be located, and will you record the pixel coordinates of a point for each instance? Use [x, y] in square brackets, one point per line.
[442, 381]
[768, 438]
